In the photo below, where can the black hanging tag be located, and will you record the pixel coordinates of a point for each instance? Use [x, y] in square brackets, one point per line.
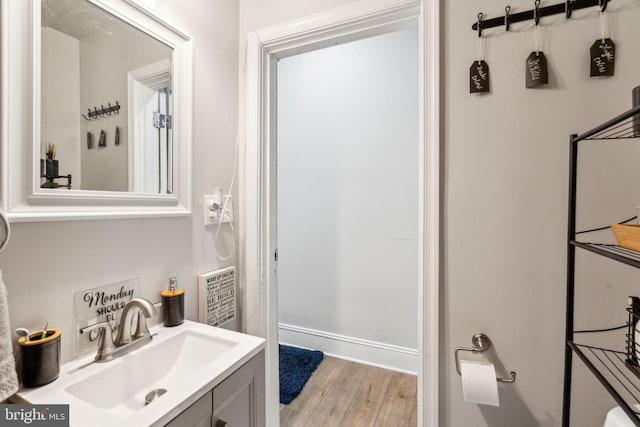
[117, 139]
[603, 57]
[537, 71]
[102, 142]
[479, 77]
[89, 140]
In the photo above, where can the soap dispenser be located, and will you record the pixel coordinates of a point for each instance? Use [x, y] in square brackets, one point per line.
[173, 304]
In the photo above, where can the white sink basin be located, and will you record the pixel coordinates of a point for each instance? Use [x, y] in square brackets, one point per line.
[186, 361]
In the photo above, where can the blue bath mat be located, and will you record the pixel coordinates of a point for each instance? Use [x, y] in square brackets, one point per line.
[296, 367]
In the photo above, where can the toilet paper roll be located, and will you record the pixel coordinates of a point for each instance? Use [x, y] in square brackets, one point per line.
[479, 383]
[617, 418]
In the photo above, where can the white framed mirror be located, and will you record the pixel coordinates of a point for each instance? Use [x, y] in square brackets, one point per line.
[96, 111]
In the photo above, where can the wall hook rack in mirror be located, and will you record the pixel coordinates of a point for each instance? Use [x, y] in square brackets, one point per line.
[102, 112]
[507, 17]
[567, 8]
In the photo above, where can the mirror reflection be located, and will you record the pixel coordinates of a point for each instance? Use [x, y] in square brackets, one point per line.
[106, 103]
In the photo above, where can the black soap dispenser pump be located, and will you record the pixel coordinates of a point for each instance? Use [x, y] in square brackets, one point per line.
[173, 304]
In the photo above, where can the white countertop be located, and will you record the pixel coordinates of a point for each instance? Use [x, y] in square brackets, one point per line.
[82, 380]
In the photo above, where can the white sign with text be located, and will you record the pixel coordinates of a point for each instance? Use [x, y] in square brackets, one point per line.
[102, 304]
[217, 296]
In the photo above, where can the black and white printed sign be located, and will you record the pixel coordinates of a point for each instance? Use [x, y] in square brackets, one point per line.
[479, 77]
[217, 296]
[603, 57]
[537, 71]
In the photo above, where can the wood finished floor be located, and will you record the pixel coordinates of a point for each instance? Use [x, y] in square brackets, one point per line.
[349, 394]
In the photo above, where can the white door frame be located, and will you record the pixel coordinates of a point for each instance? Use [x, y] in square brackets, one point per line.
[258, 174]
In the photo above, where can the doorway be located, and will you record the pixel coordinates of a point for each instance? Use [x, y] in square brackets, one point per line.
[347, 184]
[354, 21]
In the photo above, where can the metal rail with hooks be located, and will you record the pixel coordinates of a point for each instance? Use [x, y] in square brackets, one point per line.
[536, 13]
[102, 112]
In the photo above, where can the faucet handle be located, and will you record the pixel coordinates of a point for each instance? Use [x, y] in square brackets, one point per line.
[105, 340]
[141, 327]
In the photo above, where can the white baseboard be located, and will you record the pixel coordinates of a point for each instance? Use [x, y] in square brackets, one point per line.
[388, 356]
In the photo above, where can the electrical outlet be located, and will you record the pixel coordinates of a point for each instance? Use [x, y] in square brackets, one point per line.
[213, 205]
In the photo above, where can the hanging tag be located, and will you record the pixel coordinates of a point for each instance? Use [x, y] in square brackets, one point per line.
[102, 142]
[89, 140]
[479, 77]
[537, 71]
[603, 57]
[117, 138]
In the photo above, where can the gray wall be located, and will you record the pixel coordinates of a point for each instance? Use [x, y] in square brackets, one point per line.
[505, 206]
[60, 125]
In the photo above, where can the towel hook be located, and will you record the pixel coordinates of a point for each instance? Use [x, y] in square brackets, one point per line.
[7, 231]
[536, 12]
[479, 344]
[507, 17]
[568, 7]
[480, 15]
[603, 5]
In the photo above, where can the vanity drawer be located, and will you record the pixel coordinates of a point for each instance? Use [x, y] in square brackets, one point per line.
[197, 415]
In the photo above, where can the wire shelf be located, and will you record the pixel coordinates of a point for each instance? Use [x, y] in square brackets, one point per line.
[609, 367]
[618, 374]
[620, 127]
[618, 253]
[622, 130]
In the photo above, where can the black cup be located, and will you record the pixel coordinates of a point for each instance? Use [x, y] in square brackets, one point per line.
[40, 357]
[52, 168]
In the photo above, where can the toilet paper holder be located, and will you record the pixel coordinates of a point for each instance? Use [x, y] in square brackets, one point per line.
[480, 343]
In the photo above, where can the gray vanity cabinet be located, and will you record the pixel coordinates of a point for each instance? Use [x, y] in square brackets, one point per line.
[238, 401]
[197, 415]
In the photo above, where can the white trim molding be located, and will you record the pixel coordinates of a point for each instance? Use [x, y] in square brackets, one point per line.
[353, 21]
[383, 355]
[429, 296]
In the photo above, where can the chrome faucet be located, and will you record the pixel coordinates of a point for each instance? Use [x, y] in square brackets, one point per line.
[109, 348]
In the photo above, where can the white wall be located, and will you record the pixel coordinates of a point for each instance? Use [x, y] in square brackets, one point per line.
[105, 60]
[348, 197]
[45, 263]
[61, 101]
